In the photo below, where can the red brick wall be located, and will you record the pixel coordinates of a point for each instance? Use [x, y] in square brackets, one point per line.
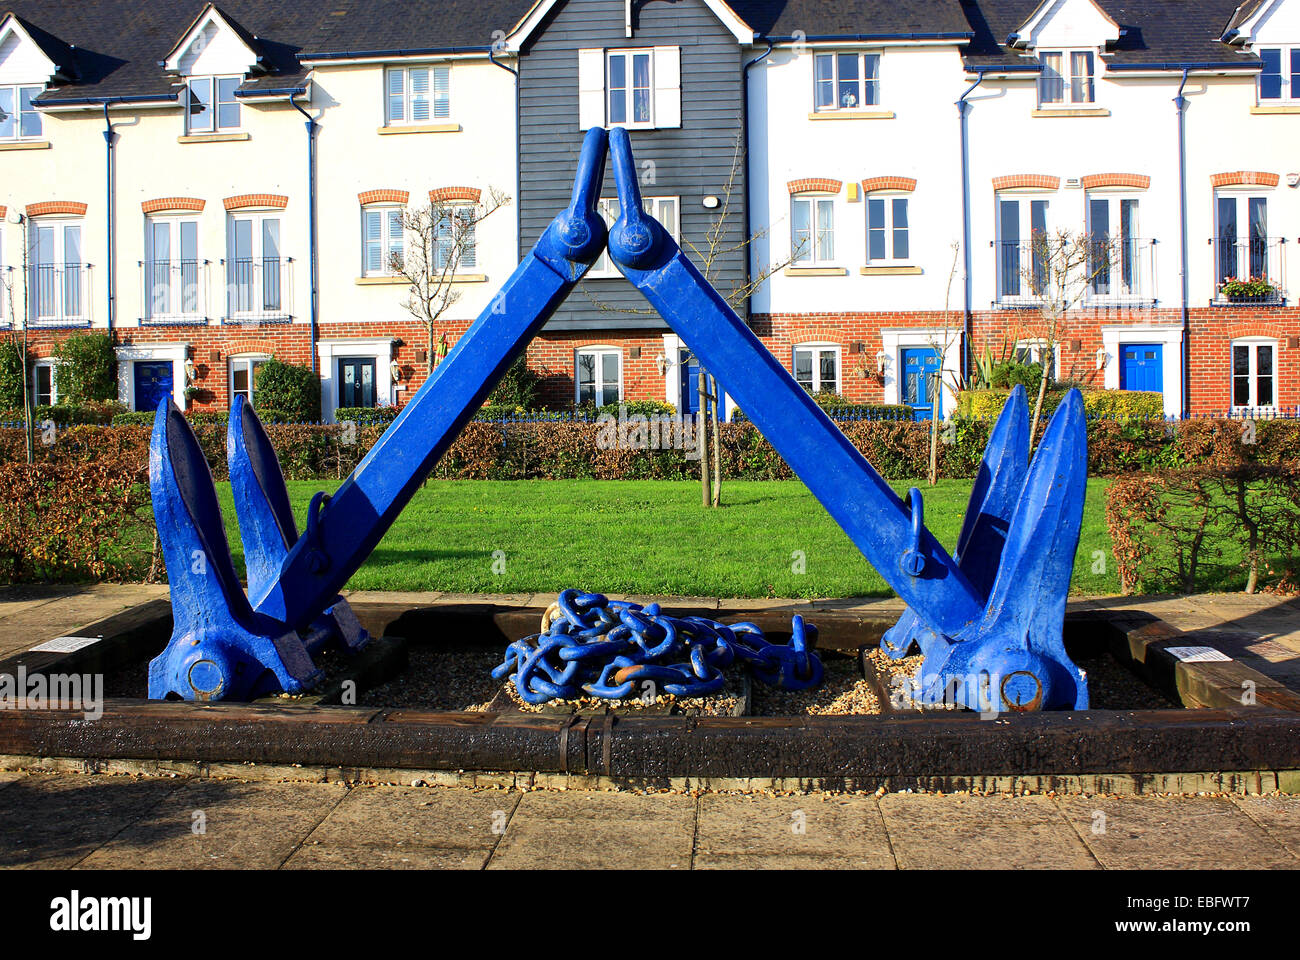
[552, 355]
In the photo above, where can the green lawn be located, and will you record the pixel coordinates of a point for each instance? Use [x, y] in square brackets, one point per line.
[649, 538]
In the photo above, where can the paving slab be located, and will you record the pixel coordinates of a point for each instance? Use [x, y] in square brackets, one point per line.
[759, 832]
[1173, 833]
[24, 624]
[1279, 817]
[251, 826]
[420, 827]
[579, 830]
[931, 832]
[53, 821]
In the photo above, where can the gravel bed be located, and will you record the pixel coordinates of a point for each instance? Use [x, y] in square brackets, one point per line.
[440, 677]
[725, 703]
[1112, 686]
[843, 690]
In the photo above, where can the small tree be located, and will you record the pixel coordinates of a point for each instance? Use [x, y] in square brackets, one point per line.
[287, 390]
[438, 239]
[709, 255]
[13, 370]
[1060, 268]
[86, 371]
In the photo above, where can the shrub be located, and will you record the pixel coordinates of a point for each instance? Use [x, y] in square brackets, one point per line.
[1168, 528]
[86, 371]
[366, 416]
[12, 371]
[1107, 404]
[641, 408]
[518, 387]
[290, 390]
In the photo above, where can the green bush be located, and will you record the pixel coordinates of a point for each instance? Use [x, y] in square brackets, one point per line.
[292, 391]
[210, 416]
[518, 387]
[1104, 404]
[837, 404]
[635, 408]
[12, 370]
[68, 414]
[86, 371]
[366, 416]
[133, 418]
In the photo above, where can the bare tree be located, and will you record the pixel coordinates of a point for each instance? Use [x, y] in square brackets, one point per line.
[438, 239]
[711, 254]
[1061, 267]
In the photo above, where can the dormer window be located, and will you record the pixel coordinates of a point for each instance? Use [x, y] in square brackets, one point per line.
[212, 107]
[18, 117]
[1279, 80]
[1068, 78]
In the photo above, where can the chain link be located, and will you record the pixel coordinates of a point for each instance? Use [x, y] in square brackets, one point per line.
[592, 645]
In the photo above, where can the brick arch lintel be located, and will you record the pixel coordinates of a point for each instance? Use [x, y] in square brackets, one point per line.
[383, 195]
[906, 184]
[815, 185]
[160, 204]
[1244, 178]
[443, 194]
[248, 201]
[1095, 181]
[1035, 181]
[48, 207]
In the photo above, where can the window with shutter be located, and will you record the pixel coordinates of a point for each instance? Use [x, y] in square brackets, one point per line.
[381, 240]
[414, 95]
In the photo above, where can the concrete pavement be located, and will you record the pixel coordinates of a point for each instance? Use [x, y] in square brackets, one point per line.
[96, 821]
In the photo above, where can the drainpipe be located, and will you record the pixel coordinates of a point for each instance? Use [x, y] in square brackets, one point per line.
[1181, 103]
[963, 108]
[744, 145]
[311, 221]
[109, 199]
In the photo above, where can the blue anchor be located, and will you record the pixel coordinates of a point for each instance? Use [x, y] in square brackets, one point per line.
[987, 618]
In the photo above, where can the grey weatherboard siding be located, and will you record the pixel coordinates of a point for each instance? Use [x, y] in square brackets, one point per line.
[690, 162]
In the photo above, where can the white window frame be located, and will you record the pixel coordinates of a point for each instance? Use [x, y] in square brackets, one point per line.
[816, 210]
[388, 243]
[45, 363]
[863, 84]
[890, 228]
[214, 104]
[408, 95]
[629, 89]
[258, 261]
[60, 263]
[817, 349]
[1252, 343]
[445, 236]
[597, 351]
[608, 208]
[177, 298]
[1067, 77]
[248, 361]
[15, 91]
[1289, 57]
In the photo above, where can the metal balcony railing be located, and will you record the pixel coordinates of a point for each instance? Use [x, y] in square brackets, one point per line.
[1021, 269]
[60, 294]
[1249, 271]
[1122, 272]
[259, 290]
[174, 291]
[1117, 272]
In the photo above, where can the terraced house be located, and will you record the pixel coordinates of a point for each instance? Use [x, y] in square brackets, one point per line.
[863, 180]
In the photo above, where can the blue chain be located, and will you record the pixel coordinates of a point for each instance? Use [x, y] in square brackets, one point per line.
[604, 648]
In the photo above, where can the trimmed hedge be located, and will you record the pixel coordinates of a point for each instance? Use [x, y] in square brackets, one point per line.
[572, 450]
[364, 416]
[1109, 404]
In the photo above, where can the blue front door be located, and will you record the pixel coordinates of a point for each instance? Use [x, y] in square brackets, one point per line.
[1141, 367]
[153, 383]
[690, 368]
[920, 384]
